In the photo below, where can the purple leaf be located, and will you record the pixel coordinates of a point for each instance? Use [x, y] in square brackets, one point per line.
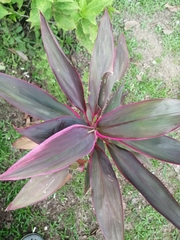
[149, 185]
[115, 100]
[163, 148]
[31, 99]
[120, 66]
[121, 62]
[40, 132]
[102, 60]
[57, 152]
[65, 73]
[88, 113]
[106, 196]
[142, 120]
[39, 188]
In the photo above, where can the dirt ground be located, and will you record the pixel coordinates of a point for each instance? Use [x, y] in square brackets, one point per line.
[151, 48]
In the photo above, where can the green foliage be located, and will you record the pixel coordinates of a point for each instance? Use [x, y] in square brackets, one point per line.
[67, 15]
[3, 11]
[11, 8]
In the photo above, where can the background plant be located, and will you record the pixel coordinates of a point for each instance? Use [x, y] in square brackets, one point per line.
[66, 14]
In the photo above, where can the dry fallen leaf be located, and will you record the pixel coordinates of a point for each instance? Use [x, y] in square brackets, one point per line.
[24, 143]
[22, 55]
[81, 161]
[139, 77]
[172, 8]
[28, 121]
[25, 116]
[130, 24]
[167, 31]
[19, 53]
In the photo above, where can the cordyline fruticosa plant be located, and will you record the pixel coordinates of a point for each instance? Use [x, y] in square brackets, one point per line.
[91, 129]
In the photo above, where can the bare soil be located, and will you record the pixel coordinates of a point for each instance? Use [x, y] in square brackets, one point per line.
[151, 48]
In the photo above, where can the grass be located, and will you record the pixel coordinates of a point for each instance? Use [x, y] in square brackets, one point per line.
[142, 221]
[149, 7]
[149, 226]
[144, 89]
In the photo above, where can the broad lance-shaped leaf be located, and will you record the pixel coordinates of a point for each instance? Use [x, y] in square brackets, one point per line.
[31, 99]
[106, 196]
[142, 158]
[121, 62]
[142, 120]
[40, 132]
[87, 175]
[101, 62]
[115, 100]
[65, 73]
[39, 188]
[56, 153]
[148, 185]
[163, 148]
[100, 144]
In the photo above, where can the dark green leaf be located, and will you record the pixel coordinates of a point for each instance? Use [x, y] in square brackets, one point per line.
[102, 60]
[162, 148]
[120, 65]
[143, 159]
[40, 132]
[142, 120]
[65, 73]
[106, 196]
[149, 185]
[31, 99]
[56, 153]
[115, 100]
[100, 144]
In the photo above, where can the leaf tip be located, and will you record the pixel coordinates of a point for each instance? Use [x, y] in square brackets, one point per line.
[9, 208]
